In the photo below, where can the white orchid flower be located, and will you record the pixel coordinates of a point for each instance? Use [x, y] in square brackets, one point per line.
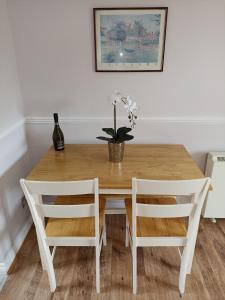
[130, 106]
[133, 107]
[128, 100]
[116, 98]
[127, 107]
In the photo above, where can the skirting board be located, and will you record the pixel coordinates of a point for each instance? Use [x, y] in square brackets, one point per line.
[3, 275]
[3, 279]
[4, 267]
[17, 243]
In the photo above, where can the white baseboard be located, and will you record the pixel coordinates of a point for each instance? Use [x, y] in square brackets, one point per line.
[17, 244]
[3, 279]
[4, 267]
[3, 275]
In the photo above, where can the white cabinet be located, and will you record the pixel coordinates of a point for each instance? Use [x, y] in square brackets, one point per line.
[214, 206]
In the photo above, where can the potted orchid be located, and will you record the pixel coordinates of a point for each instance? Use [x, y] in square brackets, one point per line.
[119, 135]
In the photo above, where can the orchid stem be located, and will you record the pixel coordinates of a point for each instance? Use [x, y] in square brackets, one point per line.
[114, 112]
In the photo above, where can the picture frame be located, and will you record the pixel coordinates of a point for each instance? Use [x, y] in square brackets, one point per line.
[130, 39]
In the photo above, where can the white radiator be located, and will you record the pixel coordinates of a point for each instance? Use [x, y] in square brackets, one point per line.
[214, 206]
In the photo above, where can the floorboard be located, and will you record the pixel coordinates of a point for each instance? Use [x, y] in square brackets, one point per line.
[158, 269]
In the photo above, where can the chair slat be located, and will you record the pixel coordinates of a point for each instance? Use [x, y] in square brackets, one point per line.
[161, 241]
[61, 188]
[71, 241]
[164, 211]
[67, 211]
[171, 187]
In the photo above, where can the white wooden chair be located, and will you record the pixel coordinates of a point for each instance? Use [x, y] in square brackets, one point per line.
[72, 220]
[159, 220]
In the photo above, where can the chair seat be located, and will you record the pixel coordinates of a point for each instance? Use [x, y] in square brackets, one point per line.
[75, 226]
[156, 227]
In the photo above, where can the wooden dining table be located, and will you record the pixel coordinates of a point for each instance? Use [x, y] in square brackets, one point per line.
[88, 161]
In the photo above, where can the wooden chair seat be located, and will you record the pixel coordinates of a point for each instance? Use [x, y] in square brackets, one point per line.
[75, 226]
[156, 227]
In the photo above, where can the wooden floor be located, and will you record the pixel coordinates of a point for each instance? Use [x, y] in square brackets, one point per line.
[158, 269]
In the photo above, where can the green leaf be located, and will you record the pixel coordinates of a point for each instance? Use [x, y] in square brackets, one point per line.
[105, 139]
[125, 137]
[120, 136]
[123, 130]
[109, 131]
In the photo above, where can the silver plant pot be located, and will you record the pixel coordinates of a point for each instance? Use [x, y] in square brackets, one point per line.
[116, 151]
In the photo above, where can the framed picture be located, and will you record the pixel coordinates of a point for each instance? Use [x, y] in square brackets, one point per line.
[130, 39]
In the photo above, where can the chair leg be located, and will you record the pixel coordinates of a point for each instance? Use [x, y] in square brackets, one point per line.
[49, 267]
[134, 257]
[104, 233]
[97, 257]
[182, 280]
[47, 262]
[183, 270]
[190, 260]
[43, 262]
[51, 277]
[126, 229]
[192, 242]
[191, 254]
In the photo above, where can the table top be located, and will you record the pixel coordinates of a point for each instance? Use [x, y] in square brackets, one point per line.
[87, 161]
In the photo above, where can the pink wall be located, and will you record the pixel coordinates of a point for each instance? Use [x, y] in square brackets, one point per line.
[55, 51]
[184, 104]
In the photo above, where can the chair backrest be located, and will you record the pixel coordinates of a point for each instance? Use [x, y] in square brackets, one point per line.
[196, 189]
[34, 190]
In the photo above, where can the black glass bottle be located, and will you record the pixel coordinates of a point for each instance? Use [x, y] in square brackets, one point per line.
[57, 136]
